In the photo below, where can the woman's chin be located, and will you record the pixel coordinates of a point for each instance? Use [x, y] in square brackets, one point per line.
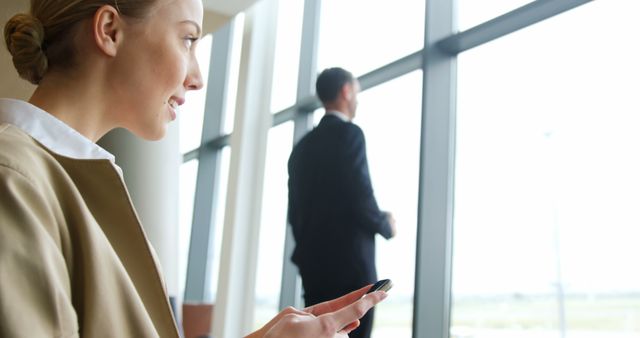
[155, 134]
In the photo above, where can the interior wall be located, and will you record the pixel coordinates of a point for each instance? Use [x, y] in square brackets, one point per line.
[11, 85]
[213, 21]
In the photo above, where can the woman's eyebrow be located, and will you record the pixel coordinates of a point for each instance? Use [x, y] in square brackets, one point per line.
[195, 24]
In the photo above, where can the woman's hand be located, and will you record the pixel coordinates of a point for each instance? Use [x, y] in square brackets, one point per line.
[332, 319]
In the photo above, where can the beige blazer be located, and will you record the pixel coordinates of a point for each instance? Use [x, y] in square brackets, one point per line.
[74, 260]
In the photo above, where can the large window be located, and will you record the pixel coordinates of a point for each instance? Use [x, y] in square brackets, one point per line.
[547, 185]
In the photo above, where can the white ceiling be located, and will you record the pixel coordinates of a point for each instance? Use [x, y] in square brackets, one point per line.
[228, 7]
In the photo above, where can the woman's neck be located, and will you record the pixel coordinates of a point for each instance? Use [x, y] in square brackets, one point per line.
[74, 101]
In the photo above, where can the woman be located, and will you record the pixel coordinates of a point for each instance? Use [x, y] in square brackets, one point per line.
[75, 261]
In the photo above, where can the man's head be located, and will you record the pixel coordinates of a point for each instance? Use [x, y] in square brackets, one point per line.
[338, 90]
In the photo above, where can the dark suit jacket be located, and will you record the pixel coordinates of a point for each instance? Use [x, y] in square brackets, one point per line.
[332, 208]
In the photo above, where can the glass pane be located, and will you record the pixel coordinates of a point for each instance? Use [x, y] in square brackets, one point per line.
[219, 212]
[287, 58]
[234, 73]
[547, 187]
[191, 113]
[390, 125]
[187, 183]
[362, 35]
[473, 12]
[273, 223]
[317, 116]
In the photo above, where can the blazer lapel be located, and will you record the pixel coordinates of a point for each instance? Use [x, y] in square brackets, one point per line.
[110, 204]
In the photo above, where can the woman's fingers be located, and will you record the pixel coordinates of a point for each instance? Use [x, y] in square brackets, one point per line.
[352, 326]
[338, 303]
[348, 314]
[292, 322]
[290, 310]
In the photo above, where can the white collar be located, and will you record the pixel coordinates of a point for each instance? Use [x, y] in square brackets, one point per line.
[51, 132]
[341, 115]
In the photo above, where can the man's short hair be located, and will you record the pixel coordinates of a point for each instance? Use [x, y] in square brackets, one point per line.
[330, 82]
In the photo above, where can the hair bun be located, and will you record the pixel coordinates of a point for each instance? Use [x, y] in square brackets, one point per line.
[24, 35]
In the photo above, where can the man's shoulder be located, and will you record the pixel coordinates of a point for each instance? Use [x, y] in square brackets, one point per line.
[354, 128]
[336, 125]
[340, 132]
[351, 132]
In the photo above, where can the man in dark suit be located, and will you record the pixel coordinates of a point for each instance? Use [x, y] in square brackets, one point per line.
[332, 209]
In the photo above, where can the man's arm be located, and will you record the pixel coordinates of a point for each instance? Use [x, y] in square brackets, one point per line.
[293, 194]
[366, 207]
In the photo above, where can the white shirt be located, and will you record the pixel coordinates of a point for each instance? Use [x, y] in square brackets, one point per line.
[51, 132]
[341, 115]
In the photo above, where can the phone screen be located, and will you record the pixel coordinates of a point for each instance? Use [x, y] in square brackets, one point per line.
[383, 284]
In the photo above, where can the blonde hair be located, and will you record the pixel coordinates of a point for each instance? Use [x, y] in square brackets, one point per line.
[44, 38]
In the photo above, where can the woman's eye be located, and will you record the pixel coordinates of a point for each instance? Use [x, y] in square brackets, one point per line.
[189, 41]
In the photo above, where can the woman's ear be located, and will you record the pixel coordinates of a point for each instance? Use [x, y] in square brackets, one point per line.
[107, 29]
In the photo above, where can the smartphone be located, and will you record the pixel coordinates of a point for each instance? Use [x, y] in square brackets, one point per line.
[381, 285]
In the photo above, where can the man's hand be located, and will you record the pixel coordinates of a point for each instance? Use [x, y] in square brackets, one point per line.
[392, 223]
